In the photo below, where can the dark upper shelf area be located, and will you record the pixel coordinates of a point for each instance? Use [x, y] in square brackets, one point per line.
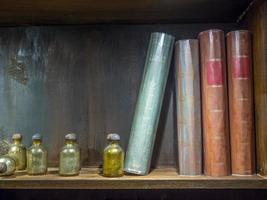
[37, 12]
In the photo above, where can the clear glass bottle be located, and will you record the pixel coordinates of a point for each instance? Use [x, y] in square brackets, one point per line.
[7, 165]
[36, 157]
[113, 157]
[18, 151]
[69, 161]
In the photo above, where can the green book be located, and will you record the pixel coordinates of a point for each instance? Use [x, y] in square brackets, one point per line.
[149, 102]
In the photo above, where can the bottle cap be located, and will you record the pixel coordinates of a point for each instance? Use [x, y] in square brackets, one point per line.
[71, 136]
[113, 137]
[37, 136]
[3, 167]
[16, 136]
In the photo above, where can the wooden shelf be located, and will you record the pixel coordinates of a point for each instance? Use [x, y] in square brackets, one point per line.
[121, 11]
[157, 179]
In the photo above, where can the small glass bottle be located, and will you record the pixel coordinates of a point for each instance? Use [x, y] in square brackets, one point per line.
[113, 157]
[69, 161]
[7, 165]
[36, 157]
[18, 151]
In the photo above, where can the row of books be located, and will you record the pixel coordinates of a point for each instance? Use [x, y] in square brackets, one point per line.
[214, 104]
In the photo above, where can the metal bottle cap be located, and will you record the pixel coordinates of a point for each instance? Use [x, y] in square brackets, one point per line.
[37, 136]
[3, 167]
[16, 136]
[71, 136]
[113, 137]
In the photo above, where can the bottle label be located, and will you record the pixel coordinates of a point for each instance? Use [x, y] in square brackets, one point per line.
[241, 67]
[215, 72]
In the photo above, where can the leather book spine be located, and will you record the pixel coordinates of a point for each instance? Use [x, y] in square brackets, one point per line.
[242, 139]
[214, 103]
[188, 107]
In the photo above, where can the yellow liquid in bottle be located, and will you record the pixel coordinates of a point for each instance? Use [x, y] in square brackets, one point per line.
[18, 152]
[113, 160]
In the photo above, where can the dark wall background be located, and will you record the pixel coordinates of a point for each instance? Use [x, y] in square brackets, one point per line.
[83, 79]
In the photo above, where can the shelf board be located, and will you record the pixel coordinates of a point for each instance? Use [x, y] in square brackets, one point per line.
[33, 12]
[166, 178]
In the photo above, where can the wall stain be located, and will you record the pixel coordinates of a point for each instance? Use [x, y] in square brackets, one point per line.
[17, 70]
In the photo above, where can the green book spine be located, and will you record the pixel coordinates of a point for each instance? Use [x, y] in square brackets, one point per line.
[148, 106]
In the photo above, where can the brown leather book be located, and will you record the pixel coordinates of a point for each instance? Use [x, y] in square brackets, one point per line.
[239, 62]
[214, 103]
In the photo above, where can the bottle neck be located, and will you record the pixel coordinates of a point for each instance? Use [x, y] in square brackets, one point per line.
[70, 142]
[36, 142]
[16, 141]
[114, 142]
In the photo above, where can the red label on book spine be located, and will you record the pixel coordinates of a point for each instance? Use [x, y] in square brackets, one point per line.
[241, 67]
[215, 72]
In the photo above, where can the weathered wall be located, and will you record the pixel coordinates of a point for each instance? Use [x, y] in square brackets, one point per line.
[83, 79]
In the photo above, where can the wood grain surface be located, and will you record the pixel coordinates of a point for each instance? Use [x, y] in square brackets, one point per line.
[241, 110]
[166, 178]
[214, 103]
[257, 20]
